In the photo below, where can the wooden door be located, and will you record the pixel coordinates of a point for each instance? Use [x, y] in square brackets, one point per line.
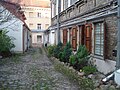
[88, 37]
[64, 36]
[82, 34]
[74, 38]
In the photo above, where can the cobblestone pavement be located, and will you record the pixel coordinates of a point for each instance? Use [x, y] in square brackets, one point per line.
[32, 71]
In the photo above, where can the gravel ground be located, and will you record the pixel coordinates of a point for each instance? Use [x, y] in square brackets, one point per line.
[32, 71]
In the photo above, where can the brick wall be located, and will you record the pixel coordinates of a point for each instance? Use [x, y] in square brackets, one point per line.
[111, 37]
[81, 8]
[90, 9]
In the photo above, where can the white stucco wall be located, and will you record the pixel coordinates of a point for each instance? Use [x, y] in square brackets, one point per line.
[15, 30]
[52, 37]
[46, 38]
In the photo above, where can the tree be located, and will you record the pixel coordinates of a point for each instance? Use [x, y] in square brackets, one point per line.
[8, 11]
[4, 15]
[6, 43]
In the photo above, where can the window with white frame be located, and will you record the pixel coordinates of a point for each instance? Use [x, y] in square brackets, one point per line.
[30, 25]
[46, 26]
[39, 38]
[39, 26]
[99, 39]
[30, 14]
[39, 14]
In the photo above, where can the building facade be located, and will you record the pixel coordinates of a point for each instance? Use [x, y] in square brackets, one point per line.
[38, 20]
[13, 20]
[38, 14]
[92, 23]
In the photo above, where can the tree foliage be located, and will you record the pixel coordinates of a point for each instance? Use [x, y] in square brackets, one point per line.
[57, 50]
[6, 42]
[65, 55]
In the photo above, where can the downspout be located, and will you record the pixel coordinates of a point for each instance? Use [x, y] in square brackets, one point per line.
[58, 22]
[23, 38]
[51, 11]
[27, 40]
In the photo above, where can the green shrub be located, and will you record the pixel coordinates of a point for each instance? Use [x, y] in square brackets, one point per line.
[82, 52]
[57, 50]
[50, 50]
[61, 56]
[65, 55]
[89, 70]
[6, 43]
[84, 83]
[82, 57]
[72, 60]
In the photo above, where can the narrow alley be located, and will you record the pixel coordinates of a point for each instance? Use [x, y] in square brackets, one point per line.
[32, 71]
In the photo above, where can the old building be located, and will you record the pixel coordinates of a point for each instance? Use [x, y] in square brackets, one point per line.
[92, 23]
[38, 18]
[13, 20]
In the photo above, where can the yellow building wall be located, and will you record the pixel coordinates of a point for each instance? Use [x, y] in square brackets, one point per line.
[32, 20]
[44, 20]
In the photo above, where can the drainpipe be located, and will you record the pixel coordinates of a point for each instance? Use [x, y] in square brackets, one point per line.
[58, 21]
[27, 40]
[23, 38]
[118, 39]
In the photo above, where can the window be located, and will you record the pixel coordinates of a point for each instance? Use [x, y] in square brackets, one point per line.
[46, 26]
[39, 26]
[46, 15]
[39, 38]
[30, 25]
[99, 39]
[39, 14]
[30, 14]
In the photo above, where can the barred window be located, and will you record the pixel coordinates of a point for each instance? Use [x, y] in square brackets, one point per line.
[99, 39]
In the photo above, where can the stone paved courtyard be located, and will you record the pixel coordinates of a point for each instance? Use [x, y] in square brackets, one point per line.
[32, 71]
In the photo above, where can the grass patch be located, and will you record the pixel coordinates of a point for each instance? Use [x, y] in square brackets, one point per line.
[84, 83]
[40, 50]
[36, 54]
[16, 58]
[4, 61]
[43, 79]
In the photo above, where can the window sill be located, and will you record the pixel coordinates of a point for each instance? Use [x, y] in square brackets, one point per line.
[98, 57]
